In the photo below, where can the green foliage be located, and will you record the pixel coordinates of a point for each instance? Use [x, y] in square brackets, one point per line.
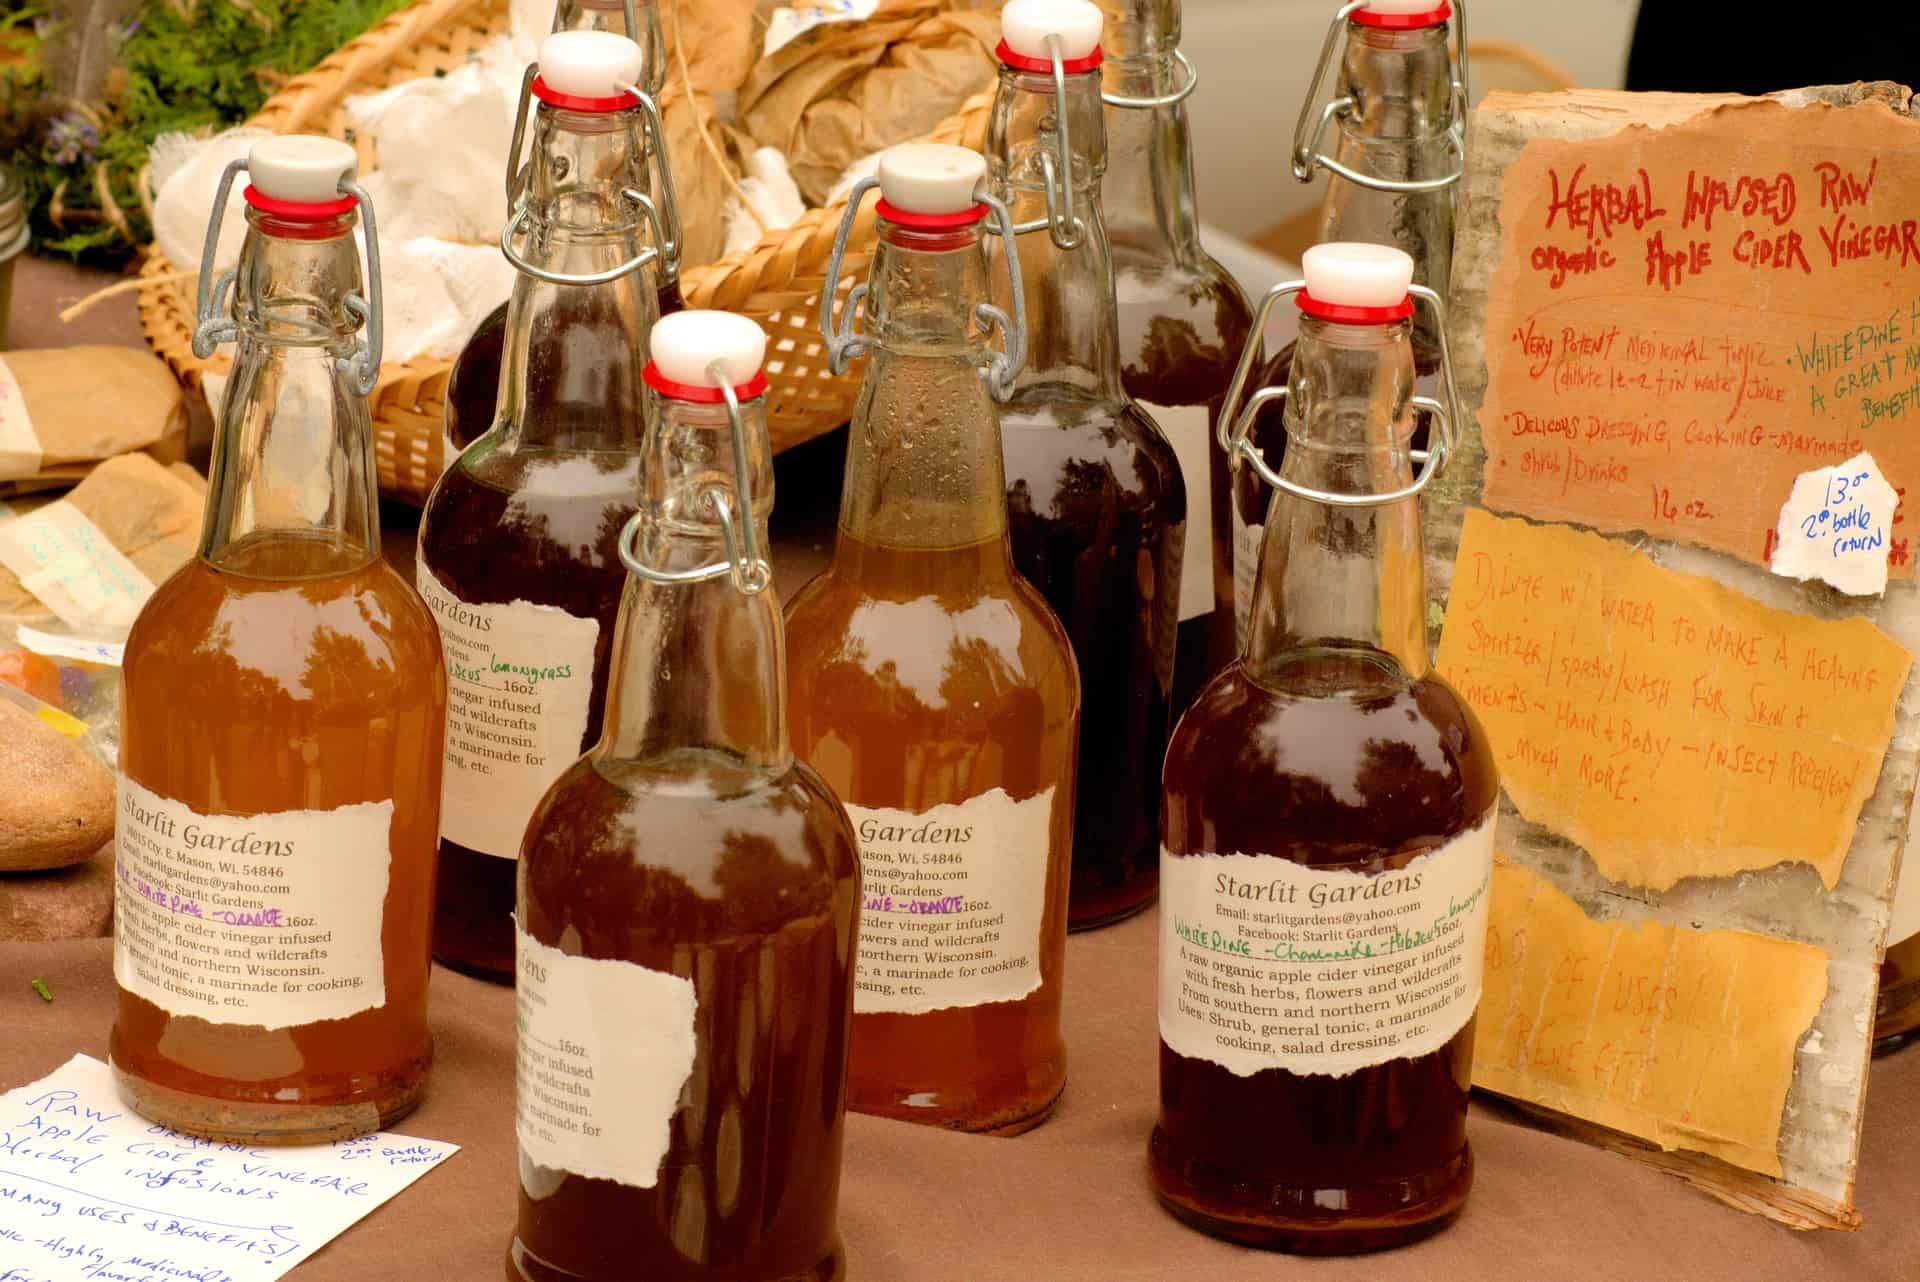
[197, 65]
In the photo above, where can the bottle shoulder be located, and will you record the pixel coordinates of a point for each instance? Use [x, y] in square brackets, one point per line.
[994, 639]
[1069, 448]
[357, 639]
[542, 527]
[1327, 777]
[685, 848]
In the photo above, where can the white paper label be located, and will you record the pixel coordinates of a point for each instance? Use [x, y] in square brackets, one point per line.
[603, 1052]
[106, 653]
[787, 24]
[1191, 435]
[265, 920]
[20, 453]
[1834, 527]
[68, 563]
[1246, 568]
[1268, 964]
[519, 683]
[92, 1192]
[952, 899]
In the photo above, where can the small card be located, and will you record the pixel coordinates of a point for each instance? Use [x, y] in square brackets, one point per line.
[1834, 527]
[89, 1190]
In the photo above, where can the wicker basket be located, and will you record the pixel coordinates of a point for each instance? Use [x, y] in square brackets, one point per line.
[777, 282]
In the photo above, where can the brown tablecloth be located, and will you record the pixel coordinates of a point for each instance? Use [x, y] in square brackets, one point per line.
[1070, 1201]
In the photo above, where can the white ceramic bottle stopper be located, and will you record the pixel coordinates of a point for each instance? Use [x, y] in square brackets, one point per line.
[1399, 8]
[1026, 24]
[301, 169]
[1352, 274]
[686, 344]
[589, 64]
[931, 178]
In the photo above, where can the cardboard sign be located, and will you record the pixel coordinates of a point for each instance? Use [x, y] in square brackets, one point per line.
[1684, 322]
[1685, 319]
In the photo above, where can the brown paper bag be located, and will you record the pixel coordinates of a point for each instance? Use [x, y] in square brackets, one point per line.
[150, 513]
[85, 404]
[846, 90]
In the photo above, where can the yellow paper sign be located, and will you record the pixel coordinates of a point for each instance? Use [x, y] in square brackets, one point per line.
[1685, 319]
[1685, 1038]
[1666, 723]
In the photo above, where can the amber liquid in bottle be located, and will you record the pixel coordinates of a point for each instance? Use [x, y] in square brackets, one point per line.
[927, 673]
[287, 669]
[1328, 748]
[1096, 505]
[523, 527]
[690, 842]
[1182, 318]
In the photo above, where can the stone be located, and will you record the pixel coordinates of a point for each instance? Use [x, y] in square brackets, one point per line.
[56, 807]
[65, 903]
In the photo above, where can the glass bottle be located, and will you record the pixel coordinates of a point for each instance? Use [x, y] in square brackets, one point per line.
[689, 879]
[1183, 319]
[282, 706]
[518, 543]
[1096, 505]
[473, 385]
[1328, 825]
[1897, 1016]
[934, 690]
[1399, 120]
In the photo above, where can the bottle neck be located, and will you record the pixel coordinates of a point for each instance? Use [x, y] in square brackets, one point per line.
[1344, 579]
[924, 468]
[1072, 330]
[699, 669]
[1399, 128]
[293, 455]
[570, 377]
[1147, 197]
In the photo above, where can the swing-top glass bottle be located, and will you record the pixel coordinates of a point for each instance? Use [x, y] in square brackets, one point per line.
[933, 689]
[473, 385]
[518, 554]
[1398, 119]
[1096, 505]
[1328, 828]
[689, 879]
[1182, 318]
[282, 706]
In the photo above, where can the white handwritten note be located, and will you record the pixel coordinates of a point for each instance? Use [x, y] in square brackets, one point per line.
[89, 1190]
[69, 563]
[1835, 527]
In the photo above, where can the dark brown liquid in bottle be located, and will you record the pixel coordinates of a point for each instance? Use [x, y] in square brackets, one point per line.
[1897, 1019]
[539, 526]
[1332, 759]
[750, 891]
[473, 385]
[1092, 512]
[1180, 337]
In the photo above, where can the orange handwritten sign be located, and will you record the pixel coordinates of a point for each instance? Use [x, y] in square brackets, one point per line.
[1685, 319]
[1666, 723]
[1682, 1037]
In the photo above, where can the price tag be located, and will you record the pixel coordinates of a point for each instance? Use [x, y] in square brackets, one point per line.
[1835, 527]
